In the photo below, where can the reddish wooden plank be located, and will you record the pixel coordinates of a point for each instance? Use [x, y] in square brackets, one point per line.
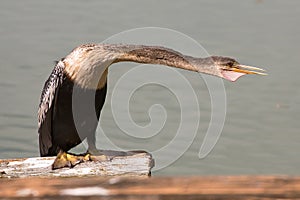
[211, 187]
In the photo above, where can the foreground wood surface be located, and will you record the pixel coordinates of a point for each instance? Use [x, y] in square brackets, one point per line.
[132, 163]
[211, 187]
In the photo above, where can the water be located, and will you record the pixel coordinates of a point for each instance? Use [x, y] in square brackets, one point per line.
[261, 131]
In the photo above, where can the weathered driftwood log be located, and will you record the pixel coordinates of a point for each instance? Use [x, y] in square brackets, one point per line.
[213, 187]
[132, 163]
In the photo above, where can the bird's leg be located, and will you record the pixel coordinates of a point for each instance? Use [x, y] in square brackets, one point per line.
[64, 159]
[104, 155]
[94, 153]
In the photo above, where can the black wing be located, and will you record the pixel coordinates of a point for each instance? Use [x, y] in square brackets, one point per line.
[45, 111]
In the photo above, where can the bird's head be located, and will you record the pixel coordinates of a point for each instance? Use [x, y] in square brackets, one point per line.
[231, 70]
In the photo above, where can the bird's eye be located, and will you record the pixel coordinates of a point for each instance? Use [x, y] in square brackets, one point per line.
[229, 64]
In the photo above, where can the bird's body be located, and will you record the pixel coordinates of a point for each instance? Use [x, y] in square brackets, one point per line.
[59, 131]
[82, 75]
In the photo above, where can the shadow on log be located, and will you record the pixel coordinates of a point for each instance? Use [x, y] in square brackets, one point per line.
[131, 163]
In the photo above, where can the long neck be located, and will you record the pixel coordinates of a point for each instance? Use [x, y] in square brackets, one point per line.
[87, 63]
[164, 56]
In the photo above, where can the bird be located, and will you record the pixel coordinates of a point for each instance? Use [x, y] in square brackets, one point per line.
[86, 68]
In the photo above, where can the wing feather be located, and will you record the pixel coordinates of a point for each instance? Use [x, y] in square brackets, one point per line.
[45, 111]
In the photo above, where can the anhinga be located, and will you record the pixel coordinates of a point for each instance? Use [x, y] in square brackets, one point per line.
[86, 68]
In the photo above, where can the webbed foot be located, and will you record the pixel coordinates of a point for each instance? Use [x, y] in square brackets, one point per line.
[64, 159]
[99, 155]
[108, 155]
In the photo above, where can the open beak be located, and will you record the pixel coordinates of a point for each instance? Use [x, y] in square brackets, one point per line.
[248, 70]
[237, 71]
